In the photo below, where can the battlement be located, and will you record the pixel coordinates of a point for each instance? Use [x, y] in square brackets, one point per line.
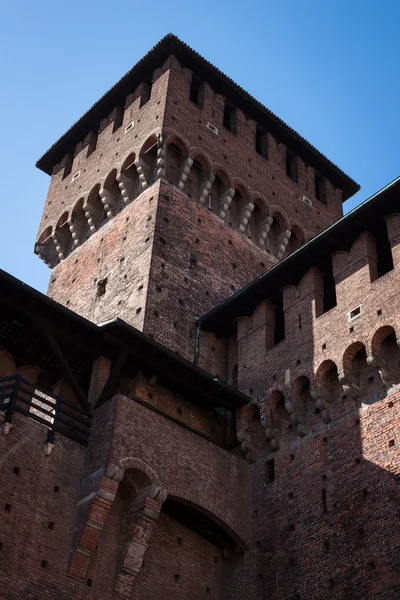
[313, 350]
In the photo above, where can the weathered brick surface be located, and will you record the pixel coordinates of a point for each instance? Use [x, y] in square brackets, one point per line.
[321, 520]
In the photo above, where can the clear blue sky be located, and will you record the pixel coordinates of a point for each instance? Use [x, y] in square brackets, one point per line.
[329, 69]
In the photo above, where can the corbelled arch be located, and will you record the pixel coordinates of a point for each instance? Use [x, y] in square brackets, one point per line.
[185, 496]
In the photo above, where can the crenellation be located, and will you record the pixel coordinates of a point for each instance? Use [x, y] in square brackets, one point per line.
[210, 392]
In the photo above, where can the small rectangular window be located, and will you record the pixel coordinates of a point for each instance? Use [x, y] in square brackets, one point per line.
[320, 188]
[261, 141]
[196, 91]
[230, 117]
[212, 128]
[291, 165]
[355, 312]
[129, 127]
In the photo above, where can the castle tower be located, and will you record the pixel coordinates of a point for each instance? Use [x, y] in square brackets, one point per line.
[253, 453]
[172, 192]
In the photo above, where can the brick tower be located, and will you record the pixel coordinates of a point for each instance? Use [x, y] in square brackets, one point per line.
[172, 192]
[206, 404]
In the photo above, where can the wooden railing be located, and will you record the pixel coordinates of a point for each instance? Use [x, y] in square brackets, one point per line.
[59, 416]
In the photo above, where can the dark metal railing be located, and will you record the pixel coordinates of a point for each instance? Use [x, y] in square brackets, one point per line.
[59, 416]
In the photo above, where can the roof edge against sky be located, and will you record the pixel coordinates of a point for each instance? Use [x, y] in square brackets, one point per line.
[171, 44]
[295, 257]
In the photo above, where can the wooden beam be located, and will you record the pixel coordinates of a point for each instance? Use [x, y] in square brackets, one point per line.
[44, 329]
[112, 379]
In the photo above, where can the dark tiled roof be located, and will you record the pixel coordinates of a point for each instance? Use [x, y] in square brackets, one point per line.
[170, 44]
[106, 339]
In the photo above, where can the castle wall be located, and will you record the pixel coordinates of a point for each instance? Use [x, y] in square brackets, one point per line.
[120, 253]
[235, 154]
[328, 404]
[197, 262]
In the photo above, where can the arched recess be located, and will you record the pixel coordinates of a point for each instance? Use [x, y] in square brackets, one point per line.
[111, 194]
[207, 518]
[45, 247]
[219, 190]
[306, 413]
[128, 528]
[295, 241]
[276, 233]
[366, 382]
[148, 158]
[177, 154]
[129, 182]
[95, 208]
[386, 354]
[239, 201]
[63, 236]
[329, 388]
[79, 223]
[256, 222]
[198, 176]
[281, 425]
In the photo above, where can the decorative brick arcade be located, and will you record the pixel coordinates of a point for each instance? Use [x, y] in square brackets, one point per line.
[206, 404]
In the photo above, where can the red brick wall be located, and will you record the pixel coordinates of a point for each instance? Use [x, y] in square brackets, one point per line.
[327, 525]
[197, 262]
[352, 549]
[111, 151]
[119, 251]
[236, 155]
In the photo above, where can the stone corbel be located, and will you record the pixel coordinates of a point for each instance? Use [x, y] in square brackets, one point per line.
[109, 202]
[187, 165]
[282, 247]
[263, 230]
[205, 193]
[41, 253]
[383, 370]
[244, 217]
[143, 180]
[99, 506]
[298, 420]
[322, 404]
[248, 448]
[88, 210]
[161, 154]
[143, 515]
[57, 245]
[269, 434]
[225, 202]
[349, 388]
[125, 186]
